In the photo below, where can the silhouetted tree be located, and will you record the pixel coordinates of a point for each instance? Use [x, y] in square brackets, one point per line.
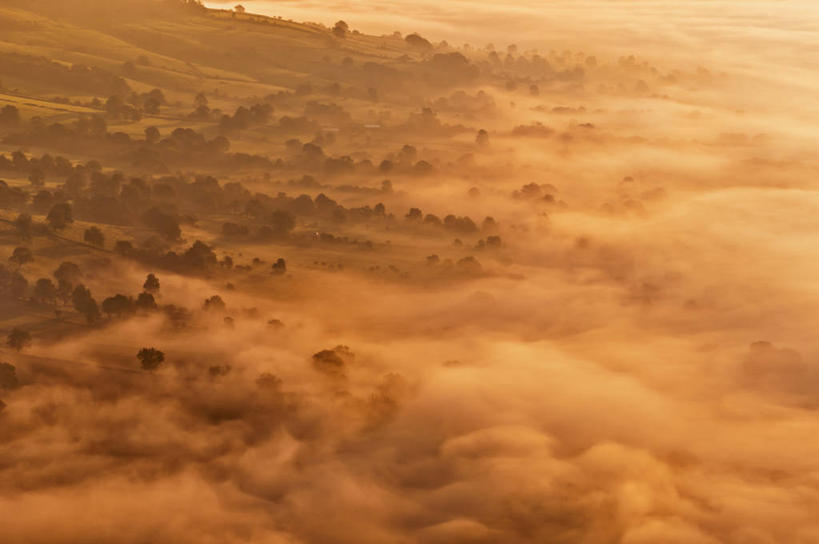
[123, 247]
[200, 256]
[18, 339]
[94, 236]
[282, 222]
[340, 29]
[20, 256]
[36, 177]
[280, 266]
[68, 276]
[151, 284]
[12, 283]
[331, 361]
[152, 135]
[23, 224]
[118, 305]
[85, 304]
[45, 291]
[145, 302]
[150, 358]
[60, 216]
[215, 303]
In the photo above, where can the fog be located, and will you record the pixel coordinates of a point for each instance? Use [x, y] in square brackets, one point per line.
[626, 352]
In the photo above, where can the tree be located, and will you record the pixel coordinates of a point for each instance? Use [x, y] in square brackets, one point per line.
[340, 29]
[45, 291]
[9, 115]
[60, 216]
[282, 222]
[201, 101]
[482, 139]
[239, 8]
[118, 305]
[151, 284]
[68, 276]
[152, 135]
[199, 256]
[36, 178]
[20, 256]
[414, 214]
[94, 236]
[215, 303]
[123, 247]
[23, 224]
[280, 266]
[18, 339]
[150, 358]
[418, 42]
[12, 283]
[8, 376]
[145, 302]
[85, 304]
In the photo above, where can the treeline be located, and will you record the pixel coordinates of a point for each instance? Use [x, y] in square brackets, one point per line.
[45, 73]
[155, 153]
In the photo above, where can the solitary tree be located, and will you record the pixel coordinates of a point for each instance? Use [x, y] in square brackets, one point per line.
[150, 358]
[18, 339]
[94, 236]
[280, 266]
[200, 101]
[239, 8]
[20, 256]
[151, 284]
[215, 303]
[340, 29]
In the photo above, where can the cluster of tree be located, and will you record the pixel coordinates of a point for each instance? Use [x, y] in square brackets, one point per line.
[37, 169]
[536, 191]
[462, 103]
[184, 146]
[257, 114]
[327, 113]
[197, 259]
[460, 225]
[132, 106]
[47, 74]
[12, 197]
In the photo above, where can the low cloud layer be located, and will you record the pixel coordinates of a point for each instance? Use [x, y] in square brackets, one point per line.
[635, 363]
